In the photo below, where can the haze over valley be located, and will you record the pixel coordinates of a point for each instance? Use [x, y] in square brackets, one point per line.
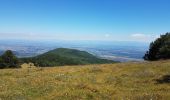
[112, 50]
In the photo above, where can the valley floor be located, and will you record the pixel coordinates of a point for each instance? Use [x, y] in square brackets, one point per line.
[121, 81]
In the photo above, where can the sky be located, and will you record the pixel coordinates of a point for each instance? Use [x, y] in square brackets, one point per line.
[104, 20]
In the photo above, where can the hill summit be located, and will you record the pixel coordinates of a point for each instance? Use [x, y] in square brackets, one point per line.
[65, 56]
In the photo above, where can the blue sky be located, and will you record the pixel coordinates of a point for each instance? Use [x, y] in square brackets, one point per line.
[107, 20]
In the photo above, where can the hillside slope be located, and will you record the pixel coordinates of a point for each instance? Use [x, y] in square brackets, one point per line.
[121, 81]
[64, 56]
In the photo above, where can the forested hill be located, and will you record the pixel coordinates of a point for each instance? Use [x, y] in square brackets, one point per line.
[65, 56]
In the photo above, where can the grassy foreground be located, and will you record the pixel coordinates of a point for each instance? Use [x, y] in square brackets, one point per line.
[124, 81]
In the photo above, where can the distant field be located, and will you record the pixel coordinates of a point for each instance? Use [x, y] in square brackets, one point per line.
[121, 81]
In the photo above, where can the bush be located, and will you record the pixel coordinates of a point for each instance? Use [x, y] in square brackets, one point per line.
[9, 60]
[159, 49]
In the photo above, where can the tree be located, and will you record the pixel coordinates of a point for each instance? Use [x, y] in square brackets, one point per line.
[159, 49]
[2, 65]
[9, 60]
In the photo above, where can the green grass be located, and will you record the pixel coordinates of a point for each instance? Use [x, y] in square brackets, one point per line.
[121, 81]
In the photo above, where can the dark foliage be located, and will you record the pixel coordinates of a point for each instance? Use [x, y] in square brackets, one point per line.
[9, 60]
[63, 56]
[159, 49]
[164, 79]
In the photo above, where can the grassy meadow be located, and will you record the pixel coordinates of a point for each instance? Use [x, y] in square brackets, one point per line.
[121, 81]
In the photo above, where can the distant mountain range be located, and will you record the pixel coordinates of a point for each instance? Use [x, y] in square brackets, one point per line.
[65, 56]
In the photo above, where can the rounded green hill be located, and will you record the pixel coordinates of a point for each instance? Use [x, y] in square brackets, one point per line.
[65, 56]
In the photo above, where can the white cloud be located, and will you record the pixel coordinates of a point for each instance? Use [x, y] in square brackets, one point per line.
[107, 35]
[138, 35]
[144, 37]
